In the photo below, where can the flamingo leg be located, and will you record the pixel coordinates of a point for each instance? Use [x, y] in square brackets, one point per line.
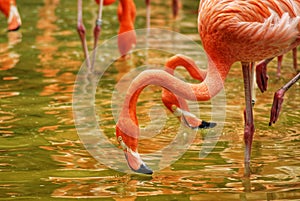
[278, 99]
[175, 6]
[295, 64]
[97, 30]
[148, 13]
[253, 83]
[248, 115]
[261, 74]
[82, 33]
[279, 64]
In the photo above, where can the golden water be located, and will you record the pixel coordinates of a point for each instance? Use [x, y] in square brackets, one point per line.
[42, 157]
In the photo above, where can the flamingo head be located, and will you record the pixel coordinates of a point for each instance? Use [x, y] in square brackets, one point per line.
[14, 19]
[133, 158]
[126, 40]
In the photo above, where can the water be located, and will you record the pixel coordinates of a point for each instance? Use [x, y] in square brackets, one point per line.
[42, 157]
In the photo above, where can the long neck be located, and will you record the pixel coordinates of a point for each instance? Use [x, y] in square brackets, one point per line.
[127, 35]
[127, 126]
[5, 7]
[126, 13]
[168, 98]
[186, 62]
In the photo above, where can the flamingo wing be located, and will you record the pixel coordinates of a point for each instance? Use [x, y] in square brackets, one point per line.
[257, 29]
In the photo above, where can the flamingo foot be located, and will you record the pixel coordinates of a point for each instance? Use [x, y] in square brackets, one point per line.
[276, 106]
[190, 120]
[261, 75]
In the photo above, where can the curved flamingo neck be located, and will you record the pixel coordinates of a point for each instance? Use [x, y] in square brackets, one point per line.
[126, 14]
[127, 126]
[168, 98]
[181, 60]
[6, 5]
[126, 34]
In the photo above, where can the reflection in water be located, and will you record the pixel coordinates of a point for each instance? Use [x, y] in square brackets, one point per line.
[8, 57]
[8, 60]
[59, 81]
[40, 153]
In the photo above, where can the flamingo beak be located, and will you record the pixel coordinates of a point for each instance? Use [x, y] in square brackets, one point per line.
[135, 162]
[183, 114]
[206, 124]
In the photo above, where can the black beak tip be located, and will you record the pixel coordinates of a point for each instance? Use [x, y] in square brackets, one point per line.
[206, 124]
[143, 169]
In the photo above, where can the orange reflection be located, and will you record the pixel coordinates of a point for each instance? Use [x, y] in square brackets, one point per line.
[53, 62]
[46, 42]
[8, 60]
[8, 57]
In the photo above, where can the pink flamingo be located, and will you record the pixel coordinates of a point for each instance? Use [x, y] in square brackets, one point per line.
[10, 10]
[230, 31]
[126, 16]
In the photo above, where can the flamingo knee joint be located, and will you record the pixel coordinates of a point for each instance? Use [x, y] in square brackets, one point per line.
[98, 22]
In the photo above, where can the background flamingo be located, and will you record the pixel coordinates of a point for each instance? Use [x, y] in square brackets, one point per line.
[10, 10]
[126, 17]
[230, 31]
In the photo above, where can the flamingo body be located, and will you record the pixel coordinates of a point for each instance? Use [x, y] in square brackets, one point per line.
[248, 30]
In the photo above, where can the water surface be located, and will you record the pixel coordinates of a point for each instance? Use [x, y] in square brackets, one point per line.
[42, 157]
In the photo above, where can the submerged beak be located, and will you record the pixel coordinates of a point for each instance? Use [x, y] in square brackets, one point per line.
[135, 163]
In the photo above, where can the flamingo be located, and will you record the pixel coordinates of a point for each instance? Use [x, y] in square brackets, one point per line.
[230, 31]
[126, 17]
[10, 10]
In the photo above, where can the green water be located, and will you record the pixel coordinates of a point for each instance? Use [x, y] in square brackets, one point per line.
[42, 157]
